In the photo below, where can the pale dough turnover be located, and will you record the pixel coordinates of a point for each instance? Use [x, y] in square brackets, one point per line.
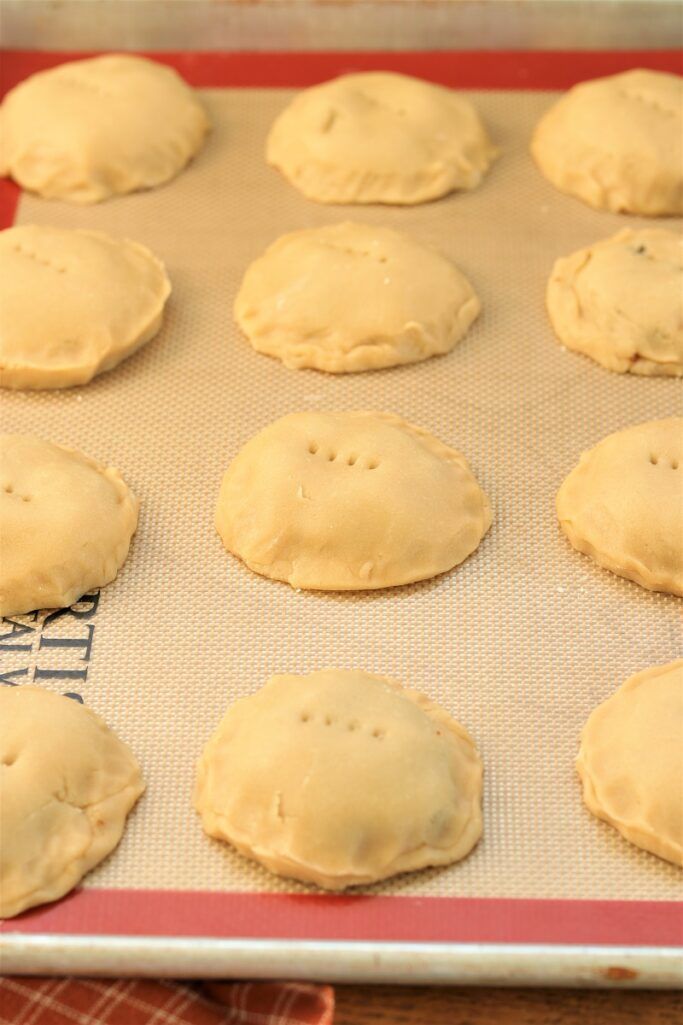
[379, 137]
[623, 504]
[350, 501]
[617, 143]
[90, 129]
[67, 784]
[631, 761]
[620, 301]
[66, 523]
[340, 778]
[350, 297]
[73, 303]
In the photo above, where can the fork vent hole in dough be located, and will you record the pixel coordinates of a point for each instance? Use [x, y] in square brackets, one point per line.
[617, 143]
[379, 137]
[90, 129]
[673, 463]
[631, 761]
[623, 504]
[30, 254]
[101, 306]
[384, 782]
[66, 786]
[65, 524]
[319, 524]
[347, 297]
[620, 301]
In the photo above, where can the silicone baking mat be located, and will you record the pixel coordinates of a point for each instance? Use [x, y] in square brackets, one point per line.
[519, 643]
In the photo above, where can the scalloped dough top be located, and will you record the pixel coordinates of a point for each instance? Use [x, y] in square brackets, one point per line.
[350, 501]
[67, 784]
[90, 129]
[379, 137]
[66, 523]
[620, 301]
[631, 761]
[617, 143]
[100, 299]
[349, 297]
[339, 778]
[623, 504]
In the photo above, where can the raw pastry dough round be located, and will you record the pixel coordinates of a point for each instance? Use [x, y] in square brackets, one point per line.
[379, 137]
[65, 524]
[623, 504]
[99, 299]
[340, 778]
[620, 301]
[350, 501]
[350, 297]
[631, 761]
[617, 143]
[91, 129]
[67, 784]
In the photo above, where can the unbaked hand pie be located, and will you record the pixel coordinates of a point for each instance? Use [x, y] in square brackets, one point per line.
[631, 761]
[340, 778]
[66, 523]
[350, 501]
[623, 504]
[95, 128]
[352, 297]
[379, 137]
[617, 143]
[620, 301]
[73, 303]
[67, 784]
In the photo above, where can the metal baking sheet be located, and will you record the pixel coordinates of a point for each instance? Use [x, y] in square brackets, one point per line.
[334, 25]
[519, 643]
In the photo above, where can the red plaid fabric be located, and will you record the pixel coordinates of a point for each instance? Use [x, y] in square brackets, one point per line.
[31, 1001]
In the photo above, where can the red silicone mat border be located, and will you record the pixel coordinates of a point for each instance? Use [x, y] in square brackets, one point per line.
[162, 913]
[465, 69]
[273, 916]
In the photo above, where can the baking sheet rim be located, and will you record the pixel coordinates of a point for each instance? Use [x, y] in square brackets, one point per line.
[452, 962]
[347, 961]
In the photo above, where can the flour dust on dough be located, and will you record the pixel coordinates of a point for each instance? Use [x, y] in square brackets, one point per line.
[350, 297]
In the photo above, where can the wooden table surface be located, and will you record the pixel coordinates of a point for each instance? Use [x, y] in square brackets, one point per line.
[398, 1005]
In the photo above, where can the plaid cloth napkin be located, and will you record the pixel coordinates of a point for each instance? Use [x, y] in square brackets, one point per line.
[32, 1001]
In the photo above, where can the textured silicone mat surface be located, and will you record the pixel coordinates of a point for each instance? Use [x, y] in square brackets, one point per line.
[519, 643]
